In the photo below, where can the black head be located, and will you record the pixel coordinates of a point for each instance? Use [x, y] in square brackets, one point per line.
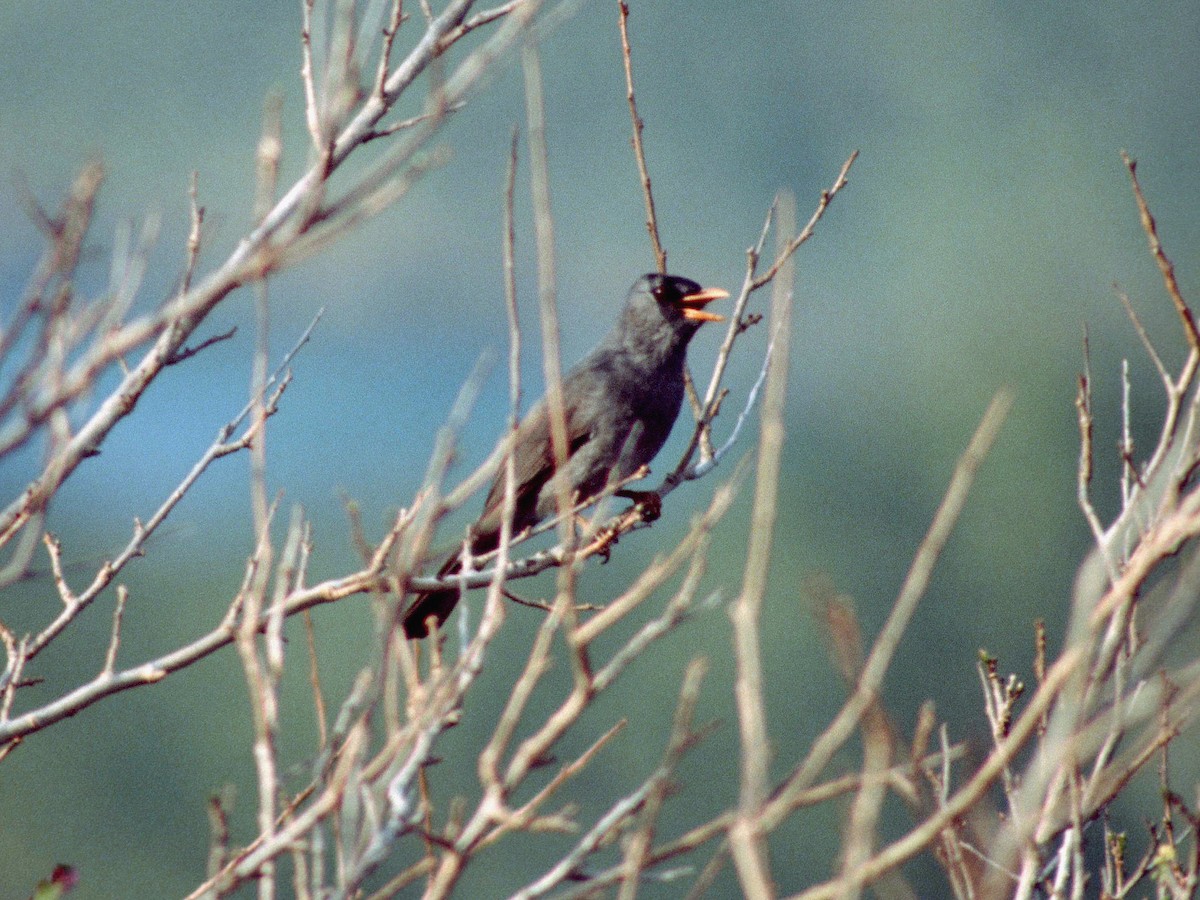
[680, 298]
[662, 313]
[669, 305]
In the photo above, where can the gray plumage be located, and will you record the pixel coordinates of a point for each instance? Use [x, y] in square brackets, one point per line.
[621, 402]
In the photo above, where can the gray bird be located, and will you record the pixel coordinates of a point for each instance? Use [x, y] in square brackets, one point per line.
[620, 402]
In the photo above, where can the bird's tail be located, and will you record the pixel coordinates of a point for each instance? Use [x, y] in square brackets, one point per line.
[436, 604]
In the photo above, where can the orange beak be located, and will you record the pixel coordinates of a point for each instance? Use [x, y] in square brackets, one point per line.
[693, 305]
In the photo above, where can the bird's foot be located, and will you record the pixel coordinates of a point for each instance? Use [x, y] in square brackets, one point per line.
[606, 542]
[602, 542]
[648, 502]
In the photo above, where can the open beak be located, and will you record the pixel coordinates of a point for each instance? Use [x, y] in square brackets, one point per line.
[693, 305]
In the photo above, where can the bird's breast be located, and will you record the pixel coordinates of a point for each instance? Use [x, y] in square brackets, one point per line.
[651, 403]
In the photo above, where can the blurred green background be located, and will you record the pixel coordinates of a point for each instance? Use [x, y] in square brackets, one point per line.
[985, 226]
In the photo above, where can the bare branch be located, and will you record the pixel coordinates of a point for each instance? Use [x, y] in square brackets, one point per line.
[660, 255]
[185, 353]
[810, 228]
[915, 583]
[1165, 266]
[746, 838]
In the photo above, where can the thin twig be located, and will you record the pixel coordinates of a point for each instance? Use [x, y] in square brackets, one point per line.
[312, 114]
[114, 641]
[639, 151]
[1165, 266]
[1138, 327]
[390, 30]
[962, 800]
[171, 324]
[185, 353]
[810, 228]
[220, 447]
[915, 583]
[548, 308]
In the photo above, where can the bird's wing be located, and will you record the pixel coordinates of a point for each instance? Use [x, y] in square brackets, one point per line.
[533, 466]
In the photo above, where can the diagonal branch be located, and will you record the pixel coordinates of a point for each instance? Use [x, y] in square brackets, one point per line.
[1165, 266]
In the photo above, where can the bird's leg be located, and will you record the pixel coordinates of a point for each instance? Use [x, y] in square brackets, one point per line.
[602, 544]
[600, 537]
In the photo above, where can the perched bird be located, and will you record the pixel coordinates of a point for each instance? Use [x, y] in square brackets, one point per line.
[620, 402]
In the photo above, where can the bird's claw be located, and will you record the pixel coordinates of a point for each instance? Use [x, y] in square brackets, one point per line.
[605, 551]
[602, 544]
[648, 503]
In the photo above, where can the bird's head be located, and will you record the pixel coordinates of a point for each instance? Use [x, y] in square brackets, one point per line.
[662, 313]
[681, 297]
[677, 304]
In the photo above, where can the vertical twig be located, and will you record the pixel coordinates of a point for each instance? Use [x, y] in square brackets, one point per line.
[262, 680]
[747, 841]
[683, 736]
[114, 641]
[660, 255]
[548, 307]
[312, 114]
[495, 606]
[510, 287]
[390, 30]
[194, 235]
[1087, 465]
[543, 224]
[860, 834]
[1129, 474]
[314, 679]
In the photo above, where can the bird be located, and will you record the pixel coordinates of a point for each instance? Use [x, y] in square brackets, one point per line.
[620, 403]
